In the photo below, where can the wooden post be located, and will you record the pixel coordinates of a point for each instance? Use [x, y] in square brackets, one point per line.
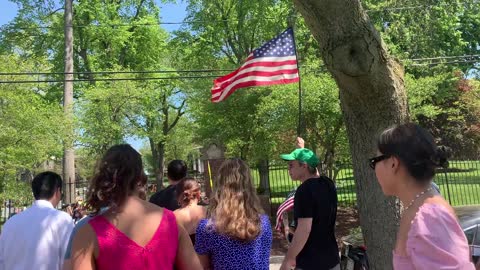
[68, 152]
[213, 156]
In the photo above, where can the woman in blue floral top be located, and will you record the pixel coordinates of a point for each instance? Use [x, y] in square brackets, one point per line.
[236, 234]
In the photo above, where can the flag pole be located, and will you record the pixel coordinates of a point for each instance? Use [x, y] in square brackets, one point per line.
[210, 174]
[300, 127]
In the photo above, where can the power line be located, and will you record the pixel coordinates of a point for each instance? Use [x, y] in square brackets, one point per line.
[112, 79]
[115, 72]
[446, 57]
[467, 59]
[459, 59]
[130, 24]
[450, 62]
[398, 8]
[395, 8]
[187, 77]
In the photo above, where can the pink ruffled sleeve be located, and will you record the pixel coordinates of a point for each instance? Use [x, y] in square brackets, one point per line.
[436, 241]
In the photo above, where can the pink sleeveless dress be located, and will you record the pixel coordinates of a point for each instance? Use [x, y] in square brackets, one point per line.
[435, 242]
[118, 252]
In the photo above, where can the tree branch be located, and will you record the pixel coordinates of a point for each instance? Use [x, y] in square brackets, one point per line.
[53, 12]
[179, 114]
[229, 56]
[228, 34]
[136, 124]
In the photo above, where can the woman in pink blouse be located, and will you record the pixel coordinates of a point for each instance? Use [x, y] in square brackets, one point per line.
[429, 236]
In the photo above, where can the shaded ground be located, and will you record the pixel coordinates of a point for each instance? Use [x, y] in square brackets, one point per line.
[347, 219]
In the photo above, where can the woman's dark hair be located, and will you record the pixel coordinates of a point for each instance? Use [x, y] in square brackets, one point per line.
[187, 190]
[416, 149]
[118, 175]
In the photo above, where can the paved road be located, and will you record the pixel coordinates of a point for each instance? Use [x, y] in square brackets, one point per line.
[275, 262]
[275, 266]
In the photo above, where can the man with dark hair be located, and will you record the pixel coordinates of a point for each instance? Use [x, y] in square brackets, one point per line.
[314, 246]
[176, 171]
[37, 237]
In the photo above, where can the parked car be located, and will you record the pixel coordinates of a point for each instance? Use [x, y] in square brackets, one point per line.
[354, 253]
[469, 218]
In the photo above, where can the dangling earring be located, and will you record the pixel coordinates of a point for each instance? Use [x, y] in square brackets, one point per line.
[114, 178]
[99, 195]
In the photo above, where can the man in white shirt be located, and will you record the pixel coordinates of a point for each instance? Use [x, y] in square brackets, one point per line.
[37, 237]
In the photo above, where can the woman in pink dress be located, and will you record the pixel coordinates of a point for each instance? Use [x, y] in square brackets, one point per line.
[132, 233]
[429, 236]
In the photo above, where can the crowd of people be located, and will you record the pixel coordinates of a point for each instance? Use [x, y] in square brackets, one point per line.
[174, 229]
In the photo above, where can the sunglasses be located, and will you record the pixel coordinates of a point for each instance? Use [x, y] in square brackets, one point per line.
[373, 161]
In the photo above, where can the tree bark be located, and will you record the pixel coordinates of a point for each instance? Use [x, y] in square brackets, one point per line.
[160, 163]
[372, 97]
[263, 170]
[68, 149]
[154, 150]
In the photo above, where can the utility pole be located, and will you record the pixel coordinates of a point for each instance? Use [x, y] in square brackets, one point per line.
[68, 152]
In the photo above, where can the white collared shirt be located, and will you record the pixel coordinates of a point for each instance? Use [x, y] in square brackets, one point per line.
[35, 238]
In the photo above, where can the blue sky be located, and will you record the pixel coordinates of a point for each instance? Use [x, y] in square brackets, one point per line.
[172, 12]
[9, 10]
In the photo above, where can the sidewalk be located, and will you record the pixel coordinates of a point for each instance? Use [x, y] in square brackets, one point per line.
[275, 262]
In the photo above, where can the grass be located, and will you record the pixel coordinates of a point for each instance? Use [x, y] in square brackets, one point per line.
[463, 186]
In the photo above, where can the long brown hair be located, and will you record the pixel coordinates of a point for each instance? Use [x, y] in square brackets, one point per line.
[118, 175]
[187, 190]
[235, 207]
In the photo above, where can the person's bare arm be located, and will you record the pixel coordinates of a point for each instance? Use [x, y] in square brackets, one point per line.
[69, 210]
[285, 224]
[186, 258]
[300, 237]
[84, 249]
[67, 265]
[205, 261]
[178, 217]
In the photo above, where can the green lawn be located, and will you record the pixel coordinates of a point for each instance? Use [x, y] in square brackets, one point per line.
[463, 184]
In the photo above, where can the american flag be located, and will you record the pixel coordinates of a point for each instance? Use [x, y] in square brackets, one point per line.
[273, 63]
[286, 206]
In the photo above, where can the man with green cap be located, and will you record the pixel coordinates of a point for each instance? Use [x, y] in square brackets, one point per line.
[315, 211]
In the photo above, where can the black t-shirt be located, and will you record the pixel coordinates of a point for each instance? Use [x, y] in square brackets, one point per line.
[166, 198]
[316, 198]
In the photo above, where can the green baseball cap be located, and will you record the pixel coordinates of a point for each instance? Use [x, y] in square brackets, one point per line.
[304, 155]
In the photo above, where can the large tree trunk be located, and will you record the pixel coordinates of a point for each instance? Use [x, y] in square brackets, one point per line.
[372, 98]
[154, 150]
[263, 171]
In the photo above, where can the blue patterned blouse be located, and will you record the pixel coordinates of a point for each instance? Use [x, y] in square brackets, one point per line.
[230, 254]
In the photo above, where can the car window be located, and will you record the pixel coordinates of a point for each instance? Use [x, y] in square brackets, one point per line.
[470, 234]
[476, 240]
